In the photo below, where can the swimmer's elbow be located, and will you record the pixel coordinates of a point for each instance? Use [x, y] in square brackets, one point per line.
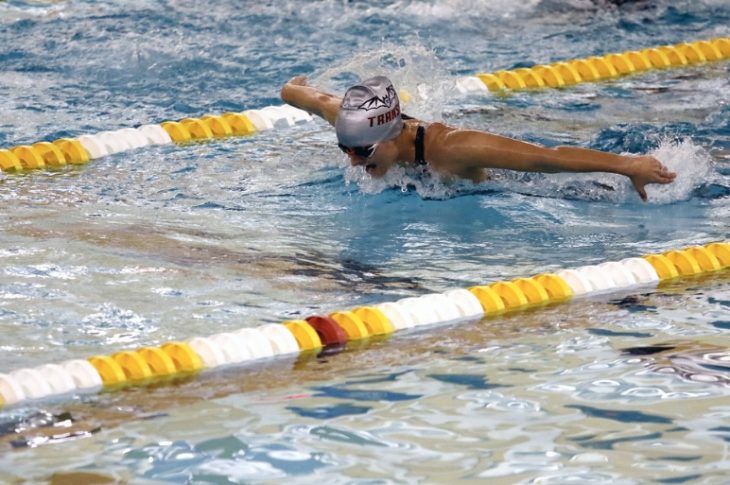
[311, 100]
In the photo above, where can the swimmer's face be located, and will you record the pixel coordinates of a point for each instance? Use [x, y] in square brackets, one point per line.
[380, 160]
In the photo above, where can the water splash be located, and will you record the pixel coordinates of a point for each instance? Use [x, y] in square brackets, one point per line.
[17, 10]
[408, 179]
[407, 66]
[436, 11]
[693, 165]
[691, 162]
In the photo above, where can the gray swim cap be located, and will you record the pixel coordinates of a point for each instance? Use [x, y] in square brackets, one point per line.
[369, 113]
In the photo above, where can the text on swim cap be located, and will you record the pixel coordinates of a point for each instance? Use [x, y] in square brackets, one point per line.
[385, 117]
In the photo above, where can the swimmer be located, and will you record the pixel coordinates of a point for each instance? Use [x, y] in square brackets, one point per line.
[374, 133]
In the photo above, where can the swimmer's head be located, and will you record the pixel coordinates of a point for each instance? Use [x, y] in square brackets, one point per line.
[369, 114]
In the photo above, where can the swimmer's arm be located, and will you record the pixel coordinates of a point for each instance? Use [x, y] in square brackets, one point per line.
[296, 93]
[475, 149]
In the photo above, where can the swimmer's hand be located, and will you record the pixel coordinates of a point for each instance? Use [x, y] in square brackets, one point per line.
[648, 170]
[292, 89]
[300, 80]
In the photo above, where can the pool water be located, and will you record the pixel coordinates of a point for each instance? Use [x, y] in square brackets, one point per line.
[165, 243]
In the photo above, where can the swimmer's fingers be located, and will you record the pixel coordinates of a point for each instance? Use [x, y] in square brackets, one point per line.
[650, 171]
[659, 174]
[664, 175]
[641, 190]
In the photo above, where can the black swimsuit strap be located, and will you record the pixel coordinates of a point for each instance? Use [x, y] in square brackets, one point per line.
[420, 148]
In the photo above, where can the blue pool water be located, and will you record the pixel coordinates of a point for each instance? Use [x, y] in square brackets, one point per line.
[166, 243]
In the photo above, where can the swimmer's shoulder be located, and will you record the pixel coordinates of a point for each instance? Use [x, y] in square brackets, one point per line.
[436, 135]
[440, 148]
[434, 129]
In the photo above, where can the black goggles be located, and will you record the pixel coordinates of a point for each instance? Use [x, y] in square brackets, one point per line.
[364, 152]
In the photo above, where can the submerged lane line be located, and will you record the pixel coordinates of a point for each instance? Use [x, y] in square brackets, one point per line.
[356, 327]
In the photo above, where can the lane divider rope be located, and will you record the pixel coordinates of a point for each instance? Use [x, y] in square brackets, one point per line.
[598, 68]
[78, 151]
[81, 150]
[341, 329]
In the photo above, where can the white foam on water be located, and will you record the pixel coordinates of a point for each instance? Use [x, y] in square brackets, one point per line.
[691, 162]
[424, 84]
[430, 186]
[409, 65]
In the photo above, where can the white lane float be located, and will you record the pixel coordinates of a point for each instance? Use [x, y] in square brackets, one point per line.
[58, 378]
[133, 137]
[209, 352]
[444, 307]
[621, 276]
[260, 122]
[281, 339]
[278, 116]
[113, 142]
[32, 382]
[258, 345]
[400, 317]
[233, 347]
[84, 375]
[470, 84]
[577, 282]
[155, 134]
[642, 270]
[94, 147]
[10, 389]
[465, 301]
[600, 280]
[422, 311]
